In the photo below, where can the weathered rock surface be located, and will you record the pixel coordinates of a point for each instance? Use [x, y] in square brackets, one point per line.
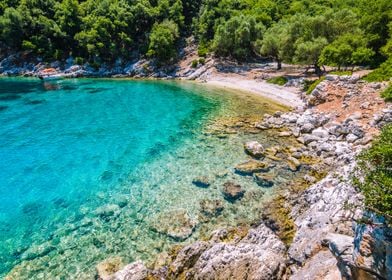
[232, 191]
[252, 166]
[176, 224]
[254, 149]
[107, 268]
[133, 271]
[211, 208]
[202, 182]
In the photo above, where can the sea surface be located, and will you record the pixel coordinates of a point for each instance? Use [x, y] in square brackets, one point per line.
[97, 168]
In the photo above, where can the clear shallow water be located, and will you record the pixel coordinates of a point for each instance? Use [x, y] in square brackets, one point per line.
[89, 167]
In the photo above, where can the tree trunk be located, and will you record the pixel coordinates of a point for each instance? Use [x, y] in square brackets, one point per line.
[318, 70]
[279, 64]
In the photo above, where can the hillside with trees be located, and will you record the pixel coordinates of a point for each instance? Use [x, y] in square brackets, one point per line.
[338, 33]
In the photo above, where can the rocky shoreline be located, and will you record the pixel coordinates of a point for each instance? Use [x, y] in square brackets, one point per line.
[331, 238]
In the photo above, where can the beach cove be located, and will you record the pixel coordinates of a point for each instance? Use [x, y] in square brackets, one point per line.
[101, 168]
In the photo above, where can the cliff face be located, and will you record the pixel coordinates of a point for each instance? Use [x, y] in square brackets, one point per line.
[335, 238]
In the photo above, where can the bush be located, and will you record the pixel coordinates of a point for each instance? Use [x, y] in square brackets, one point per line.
[202, 50]
[195, 63]
[383, 73]
[202, 60]
[375, 174]
[311, 85]
[387, 94]
[79, 60]
[278, 80]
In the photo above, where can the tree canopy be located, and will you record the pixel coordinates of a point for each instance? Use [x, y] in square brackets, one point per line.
[339, 33]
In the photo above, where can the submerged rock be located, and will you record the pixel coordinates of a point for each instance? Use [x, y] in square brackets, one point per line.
[254, 149]
[107, 268]
[108, 210]
[211, 208]
[232, 191]
[202, 182]
[252, 166]
[176, 224]
[264, 180]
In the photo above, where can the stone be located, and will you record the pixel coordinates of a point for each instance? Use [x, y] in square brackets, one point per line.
[176, 224]
[320, 132]
[202, 182]
[307, 128]
[285, 134]
[351, 138]
[254, 149]
[107, 268]
[108, 210]
[309, 138]
[321, 266]
[264, 180]
[252, 166]
[211, 208]
[232, 191]
[133, 271]
[187, 257]
[293, 163]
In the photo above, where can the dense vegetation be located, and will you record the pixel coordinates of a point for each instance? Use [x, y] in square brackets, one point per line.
[339, 33]
[375, 179]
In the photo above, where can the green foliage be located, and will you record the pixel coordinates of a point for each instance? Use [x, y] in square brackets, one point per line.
[202, 60]
[195, 63]
[311, 85]
[281, 80]
[347, 50]
[314, 33]
[383, 73]
[163, 39]
[387, 94]
[375, 173]
[237, 36]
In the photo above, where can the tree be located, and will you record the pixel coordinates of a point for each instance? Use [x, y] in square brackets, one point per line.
[163, 39]
[347, 50]
[237, 37]
[272, 44]
[11, 27]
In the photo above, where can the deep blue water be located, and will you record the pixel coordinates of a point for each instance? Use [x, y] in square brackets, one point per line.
[64, 143]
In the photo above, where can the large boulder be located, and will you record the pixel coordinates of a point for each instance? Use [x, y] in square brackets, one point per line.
[260, 255]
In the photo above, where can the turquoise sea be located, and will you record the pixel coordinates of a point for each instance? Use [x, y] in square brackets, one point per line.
[88, 168]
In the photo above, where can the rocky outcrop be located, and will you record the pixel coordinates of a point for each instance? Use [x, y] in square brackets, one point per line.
[259, 255]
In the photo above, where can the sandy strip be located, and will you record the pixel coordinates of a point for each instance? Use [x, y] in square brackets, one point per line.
[279, 94]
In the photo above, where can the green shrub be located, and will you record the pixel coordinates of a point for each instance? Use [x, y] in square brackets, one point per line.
[79, 60]
[278, 80]
[375, 173]
[311, 85]
[383, 73]
[202, 60]
[195, 63]
[28, 46]
[387, 94]
[202, 50]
